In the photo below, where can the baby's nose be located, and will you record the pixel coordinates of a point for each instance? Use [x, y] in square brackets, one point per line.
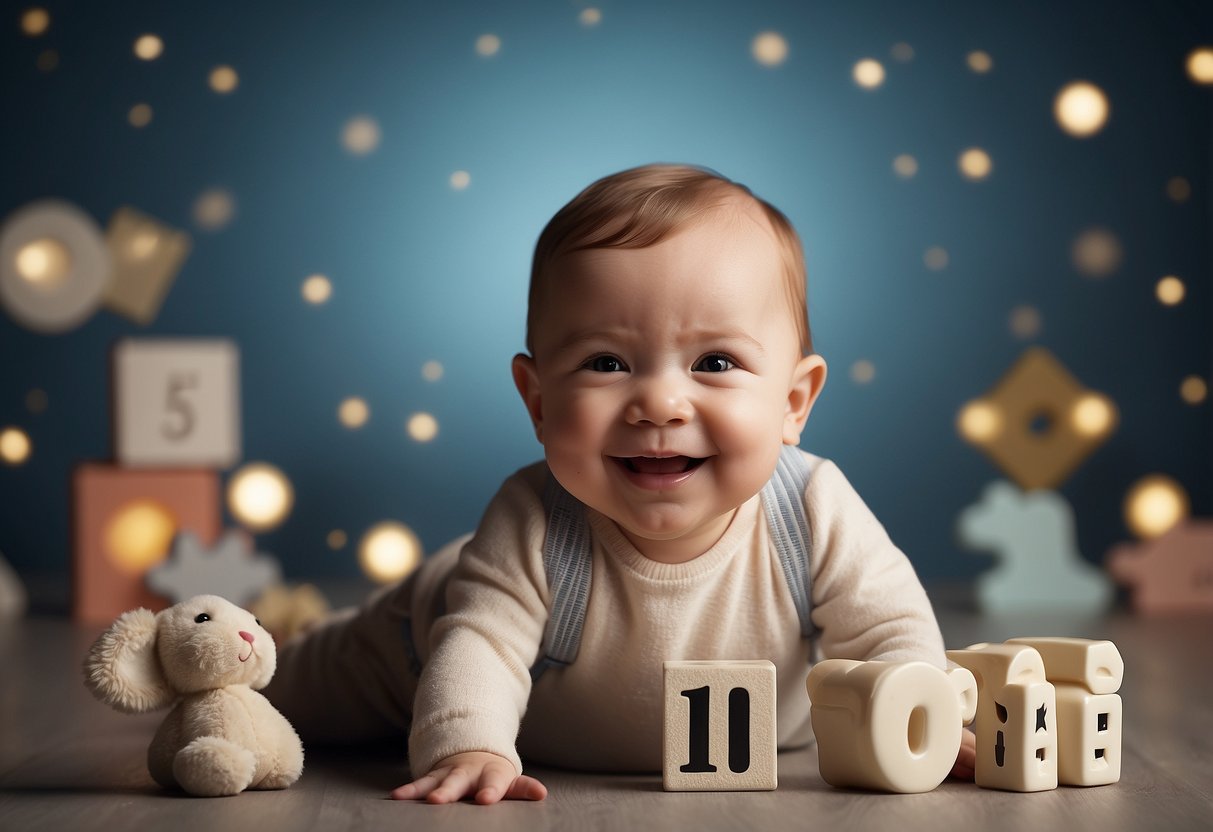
[246, 636]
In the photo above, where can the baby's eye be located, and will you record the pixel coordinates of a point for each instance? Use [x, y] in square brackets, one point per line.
[201, 618]
[605, 364]
[714, 363]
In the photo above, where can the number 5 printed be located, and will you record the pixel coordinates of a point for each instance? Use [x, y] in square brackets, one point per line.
[179, 409]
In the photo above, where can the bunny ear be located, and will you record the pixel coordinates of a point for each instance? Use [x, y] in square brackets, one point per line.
[122, 669]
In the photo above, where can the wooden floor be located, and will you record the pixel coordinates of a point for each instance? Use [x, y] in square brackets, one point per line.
[70, 763]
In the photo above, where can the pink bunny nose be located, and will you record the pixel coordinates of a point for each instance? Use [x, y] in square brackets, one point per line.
[246, 636]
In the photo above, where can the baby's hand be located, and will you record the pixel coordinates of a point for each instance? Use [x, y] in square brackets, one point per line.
[966, 759]
[486, 777]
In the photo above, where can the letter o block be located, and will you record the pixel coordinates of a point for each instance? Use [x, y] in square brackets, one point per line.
[719, 726]
[888, 726]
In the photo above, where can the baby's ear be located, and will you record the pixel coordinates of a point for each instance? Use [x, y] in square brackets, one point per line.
[122, 668]
[526, 379]
[808, 378]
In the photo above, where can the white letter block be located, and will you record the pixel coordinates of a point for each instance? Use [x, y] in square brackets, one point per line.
[719, 726]
[177, 402]
[1016, 722]
[1087, 675]
[890, 726]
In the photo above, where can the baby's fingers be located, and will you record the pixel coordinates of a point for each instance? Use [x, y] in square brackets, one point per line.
[526, 788]
[420, 787]
[457, 783]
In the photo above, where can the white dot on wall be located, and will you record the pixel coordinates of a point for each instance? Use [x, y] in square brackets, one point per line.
[1093, 416]
[432, 370]
[35, 21]
[389, 551]
[936, 258]
[1025, 322]
[1081, 109]
[769, 48]
[1170, 291]
[868, 73]
[488, 45]
[140, 115]
[260, 496]
[223, 79]
[1194, 390]
[1096, 252]
[975, 164]
[460, 179]
[422, 427]
[905, 166]
[15, 446]
[863, 371]
[1200, 65]
[979, 421]
[1154, 504]
[148, 47]
[316, 289]
[360, 135]
[979, 61]
[353, 412]
[590, 17]
[336, 539]
[214, 209]
[902, 52]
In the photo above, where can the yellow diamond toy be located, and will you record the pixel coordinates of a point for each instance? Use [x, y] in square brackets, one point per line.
[1038, 423]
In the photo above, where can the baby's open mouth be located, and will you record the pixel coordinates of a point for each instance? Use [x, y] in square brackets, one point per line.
[659, 465]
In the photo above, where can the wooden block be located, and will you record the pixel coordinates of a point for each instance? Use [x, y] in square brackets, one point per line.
[1016, 720]
[1039, 565]
[719, 726]
[146, 256]
[177, 402]
[1096, 665]
[124, 521]
[889, 726]
[1171, 574]
[1089, 730]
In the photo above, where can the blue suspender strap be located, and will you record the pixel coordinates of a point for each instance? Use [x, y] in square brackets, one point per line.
[783, 501]
[568, 562]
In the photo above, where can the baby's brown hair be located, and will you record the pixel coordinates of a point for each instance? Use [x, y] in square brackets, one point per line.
[640, 207]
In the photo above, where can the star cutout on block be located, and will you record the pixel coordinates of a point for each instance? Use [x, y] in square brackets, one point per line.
[1041, 713]
[229, 569]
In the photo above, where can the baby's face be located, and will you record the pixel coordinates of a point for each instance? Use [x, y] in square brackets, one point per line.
[665, 379]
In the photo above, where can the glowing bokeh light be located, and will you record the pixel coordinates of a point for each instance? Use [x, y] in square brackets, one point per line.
[863, 371]
[432, 370]
[15, 446]
[140, 115]
[1194, 390]
[138, 536]
[1170, 291]
[361, 135]
[260, 496]
[336, 539]
[1200, 65]
[1025, 322]
[905, 166]
[902, 52]
[316, 289]
[868, 73]
[936, 258]
[389, 551]
[223, 79]
[1093, 415]
[148, 47]
[488, 45]
[590, 17]
[1154, 504]
[35, 21]
[460, 179]
[1096, 252]
[975, 163]
[44, 263]
[1178, 189]
[353, 412]
[769, 48]
[979, 422]
[422, 427]
[36, 401]
[979, 61]
[1081, 109]
[214, 209]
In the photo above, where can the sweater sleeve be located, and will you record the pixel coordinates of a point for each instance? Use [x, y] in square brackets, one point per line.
[868, 603]
[473, 690]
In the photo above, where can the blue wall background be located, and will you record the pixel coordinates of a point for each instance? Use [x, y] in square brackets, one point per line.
[422, 271]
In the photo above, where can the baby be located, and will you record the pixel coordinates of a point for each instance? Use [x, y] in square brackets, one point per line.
[670, 371]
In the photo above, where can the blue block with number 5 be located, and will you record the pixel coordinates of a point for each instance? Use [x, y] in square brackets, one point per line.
[719, 726]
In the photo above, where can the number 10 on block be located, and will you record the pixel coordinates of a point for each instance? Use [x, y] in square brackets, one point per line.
[719, 726]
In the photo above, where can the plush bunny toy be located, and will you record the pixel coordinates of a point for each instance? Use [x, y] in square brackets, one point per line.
[209, 657]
